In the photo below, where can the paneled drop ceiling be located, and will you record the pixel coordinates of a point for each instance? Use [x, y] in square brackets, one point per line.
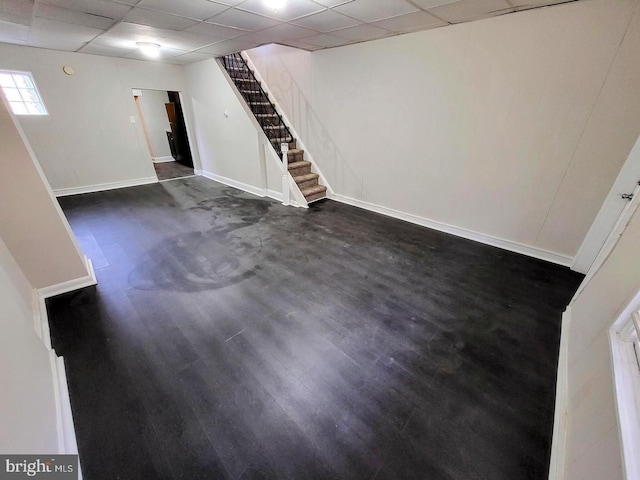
[193, 30]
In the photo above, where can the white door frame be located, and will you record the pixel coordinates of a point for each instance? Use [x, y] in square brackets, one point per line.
[619, 227]
[592, 250]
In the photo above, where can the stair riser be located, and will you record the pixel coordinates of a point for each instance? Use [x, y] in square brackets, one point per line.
[296, 172]
[316, 196]
[295, 157]
[307, 184]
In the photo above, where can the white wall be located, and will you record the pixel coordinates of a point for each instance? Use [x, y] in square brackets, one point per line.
[157, 121]
[514, 127]
[27, 403]
[229, 146]
[88, 139]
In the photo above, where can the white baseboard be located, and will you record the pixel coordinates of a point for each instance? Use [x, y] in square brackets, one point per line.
[460, 232]
[71, 285]
[260, 192]
[559, 441]
[67, 443]
[63, 192]
[275, 195]
[162, 159]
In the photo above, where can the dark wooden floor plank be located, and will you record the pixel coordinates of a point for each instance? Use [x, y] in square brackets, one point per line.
[233, 338]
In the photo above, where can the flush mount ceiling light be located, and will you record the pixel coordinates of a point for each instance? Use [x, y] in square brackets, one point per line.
[275, 4]
[151, 50]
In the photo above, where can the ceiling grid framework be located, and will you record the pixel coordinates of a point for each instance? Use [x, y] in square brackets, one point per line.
[193, 30]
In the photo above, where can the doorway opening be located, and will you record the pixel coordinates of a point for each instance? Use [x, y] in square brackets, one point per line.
[165, 132]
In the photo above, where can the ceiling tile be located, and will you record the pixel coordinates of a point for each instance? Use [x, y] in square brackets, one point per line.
[536, 3]
[190, 57]
[373, 10]
[99, 8]
[54, 35]
[164, 53]
[281, 32]
[158, 19]
[300, 45]
[332, 3]
[230, 3]
[296, 9]
[228, 46]
[60, 14]
[125, 35]
[410, 22]
[426, 4]
[189, 41]
[469, 9]
[220, 31]
[244, 20]
[326, 21]
[17, 11]
[324, 40]
[14, 33]
[198, 9]
[126, 2]
[361, 33]
[109, 51]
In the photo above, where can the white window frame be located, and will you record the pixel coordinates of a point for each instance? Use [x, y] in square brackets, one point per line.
[623, 338]
[21, 90]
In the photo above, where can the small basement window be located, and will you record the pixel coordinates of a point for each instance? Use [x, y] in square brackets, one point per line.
[22, 93]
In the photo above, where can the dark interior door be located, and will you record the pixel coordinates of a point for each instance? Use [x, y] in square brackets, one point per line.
[178, 130]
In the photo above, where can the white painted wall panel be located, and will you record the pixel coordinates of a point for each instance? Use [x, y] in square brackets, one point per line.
[27, 403]
[228, 145]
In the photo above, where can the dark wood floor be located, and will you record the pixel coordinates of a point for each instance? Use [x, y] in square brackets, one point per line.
[233, 338]
[171, 170]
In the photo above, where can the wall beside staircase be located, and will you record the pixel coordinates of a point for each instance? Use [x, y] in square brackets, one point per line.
[230, 144]
[513, 127]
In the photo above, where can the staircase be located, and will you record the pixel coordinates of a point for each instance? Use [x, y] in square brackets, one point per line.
[273, 126]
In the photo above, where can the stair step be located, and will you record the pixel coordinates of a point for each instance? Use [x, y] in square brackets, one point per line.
[314, 193]
[297, 169]
[306, 181]
[273, 127]
[251, 80]
[295, 155]
[265, 115]
[256, 92]
[258, 103]
[306, 177]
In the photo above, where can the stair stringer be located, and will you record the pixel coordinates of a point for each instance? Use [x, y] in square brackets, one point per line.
[266, 149]
[308, 156]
